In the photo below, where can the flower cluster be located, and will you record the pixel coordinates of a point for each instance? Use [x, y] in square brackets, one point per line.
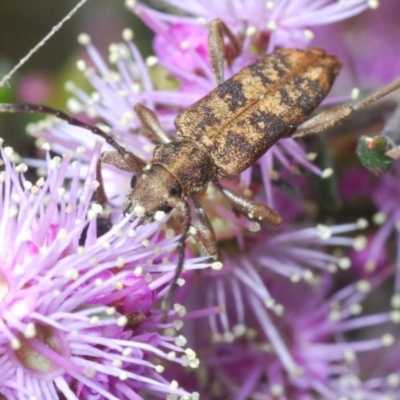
[78, 294]
[290, 331]
[296, 312]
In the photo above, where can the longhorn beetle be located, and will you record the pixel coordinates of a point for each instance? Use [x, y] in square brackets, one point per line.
[221, 135]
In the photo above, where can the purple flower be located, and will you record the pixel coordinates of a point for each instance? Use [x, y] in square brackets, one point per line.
[263, 26]
[171, 45]
[280, 316]
[239, 282]
[375, 64]
[286, 23]
[369, 257]
[386, 195]
[77, 310]
[355, 183]
[118, 87]
[303, 349]
[366, 67]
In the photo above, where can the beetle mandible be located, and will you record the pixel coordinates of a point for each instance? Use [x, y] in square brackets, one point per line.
[221, 135]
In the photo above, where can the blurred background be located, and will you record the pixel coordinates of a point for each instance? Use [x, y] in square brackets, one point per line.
[41, 80]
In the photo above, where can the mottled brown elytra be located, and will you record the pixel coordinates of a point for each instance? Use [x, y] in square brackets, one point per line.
[221, 135]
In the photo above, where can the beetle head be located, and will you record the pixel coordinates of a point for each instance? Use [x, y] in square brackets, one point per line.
[153, 190]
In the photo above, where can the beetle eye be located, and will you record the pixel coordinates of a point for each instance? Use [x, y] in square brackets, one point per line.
[165, 208]
[133, 181]
[175, 191]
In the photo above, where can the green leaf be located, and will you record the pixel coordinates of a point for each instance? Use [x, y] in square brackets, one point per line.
[371, 152]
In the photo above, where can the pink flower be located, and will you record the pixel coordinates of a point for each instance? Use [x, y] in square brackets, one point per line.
[297, 344]
[246, 285]
[77, 310]
[171, 45]
[355, 183]
[286, 23]
[386, 195]
[281, 315]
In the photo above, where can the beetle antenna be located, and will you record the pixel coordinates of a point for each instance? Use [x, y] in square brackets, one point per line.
[36, 108]
[183, 207]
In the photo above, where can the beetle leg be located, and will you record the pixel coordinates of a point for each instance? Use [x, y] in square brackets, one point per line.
[101, 196]
[216, 48]
[204, 234]
[252, 209]
[150, 124]
[112, 158]
[183, 209]
[330, 118]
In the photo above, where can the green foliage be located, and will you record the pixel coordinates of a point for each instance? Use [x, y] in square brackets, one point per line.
[371, 152]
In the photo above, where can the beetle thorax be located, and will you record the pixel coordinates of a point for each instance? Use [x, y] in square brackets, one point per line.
[189, 162]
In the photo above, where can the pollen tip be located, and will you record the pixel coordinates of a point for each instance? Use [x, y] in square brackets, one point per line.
[84, 39]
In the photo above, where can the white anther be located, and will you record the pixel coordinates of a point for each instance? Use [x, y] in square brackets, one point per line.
[326, 173]
[139, 211]
[379, 218]
[127, 34]
[344, 263]
[81, 65]
[387, 339]
[80, 150]
[309, 34]
[355, 93]
[311, 156]
[120, 262]
[122, 320]
[373, 4]
[21, 168]
[251, 31]
[324, 232]
[84, 39]
[217, 265]
[159, 215]
[359, 242]
[363, 286]
[151, 61]
[71, 274]
[362, 223]
[30, 330]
